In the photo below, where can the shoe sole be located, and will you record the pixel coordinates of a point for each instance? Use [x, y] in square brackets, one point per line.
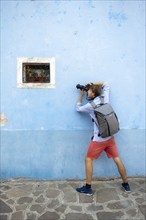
[125, 190]
[85, 193]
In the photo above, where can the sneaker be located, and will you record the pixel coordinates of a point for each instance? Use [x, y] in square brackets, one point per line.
[126, 187]
[85, 190]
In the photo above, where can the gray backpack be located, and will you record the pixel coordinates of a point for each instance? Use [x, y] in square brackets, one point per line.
[108, 123]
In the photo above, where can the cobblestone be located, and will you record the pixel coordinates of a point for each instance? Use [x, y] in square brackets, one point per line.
[26, 199]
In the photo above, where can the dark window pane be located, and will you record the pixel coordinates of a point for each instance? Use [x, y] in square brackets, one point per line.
[36, 72]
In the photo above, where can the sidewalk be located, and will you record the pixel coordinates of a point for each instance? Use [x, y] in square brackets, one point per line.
[25, 199]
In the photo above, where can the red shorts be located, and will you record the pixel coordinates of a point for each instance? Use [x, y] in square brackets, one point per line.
[96, 148]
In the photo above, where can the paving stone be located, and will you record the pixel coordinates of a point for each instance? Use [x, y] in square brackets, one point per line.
[49, 216]
[139, 200]
[4, 197]
[52, 185]
[125, 195]
[109, 215]
[134, 187]
[52, 193]
[141, 181]
[27, 188]
[40, 199]
[105, 195]
[42, 186]
[4, 208]
[53, 204]
[38, 208]
[85, 199]
[143, 186]
[132, 212]
[31, 216]
[108, 202]
[62, 185]
[17, 216]
[21, 207]
[142, 190]
[10, 201]
[16, 193]
[61, 208]
[94, 207]
[142, 208]
[76, 208]
[69, 196]
[78, 216]
[120, 204]
[24, 200]
[37, 193]
[100, 185]
[136, 194]
[3, 217]
[5, 188]
[74, 185]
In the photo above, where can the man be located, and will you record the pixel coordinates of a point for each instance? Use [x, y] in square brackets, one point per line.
[99, 144]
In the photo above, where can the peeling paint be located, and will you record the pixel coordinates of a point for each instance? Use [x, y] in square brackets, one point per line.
[119, 17]
[3, 119]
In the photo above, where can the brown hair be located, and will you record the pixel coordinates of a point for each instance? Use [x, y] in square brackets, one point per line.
[96, 89]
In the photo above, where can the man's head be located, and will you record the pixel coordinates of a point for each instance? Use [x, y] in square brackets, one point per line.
[94, 91]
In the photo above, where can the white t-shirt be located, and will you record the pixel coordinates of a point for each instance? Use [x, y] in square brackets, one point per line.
[89, 109]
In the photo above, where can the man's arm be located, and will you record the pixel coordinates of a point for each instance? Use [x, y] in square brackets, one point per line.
[80, 97]
[83, 108]
[99, 83]
[104, 90]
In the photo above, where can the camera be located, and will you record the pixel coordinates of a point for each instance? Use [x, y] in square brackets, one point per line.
[85, 88]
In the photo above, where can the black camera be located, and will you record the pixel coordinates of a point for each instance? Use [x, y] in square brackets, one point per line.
[85, 88]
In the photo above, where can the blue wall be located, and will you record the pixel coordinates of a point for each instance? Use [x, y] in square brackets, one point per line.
[91, 41]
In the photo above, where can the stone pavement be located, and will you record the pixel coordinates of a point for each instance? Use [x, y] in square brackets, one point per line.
[25, 199]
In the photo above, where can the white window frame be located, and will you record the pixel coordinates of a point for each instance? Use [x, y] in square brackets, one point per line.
[21, 60]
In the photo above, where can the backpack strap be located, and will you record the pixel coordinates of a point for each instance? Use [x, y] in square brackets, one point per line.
[102, 100]
[93, 104]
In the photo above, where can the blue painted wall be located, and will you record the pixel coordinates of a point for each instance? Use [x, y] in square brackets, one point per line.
[91, 41]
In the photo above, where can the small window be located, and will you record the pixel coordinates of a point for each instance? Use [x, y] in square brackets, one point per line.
[36, 72]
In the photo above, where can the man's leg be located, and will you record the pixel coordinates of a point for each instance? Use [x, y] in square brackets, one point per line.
[121, 169]
[94, 150]
[87, 188]
[89, 170]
